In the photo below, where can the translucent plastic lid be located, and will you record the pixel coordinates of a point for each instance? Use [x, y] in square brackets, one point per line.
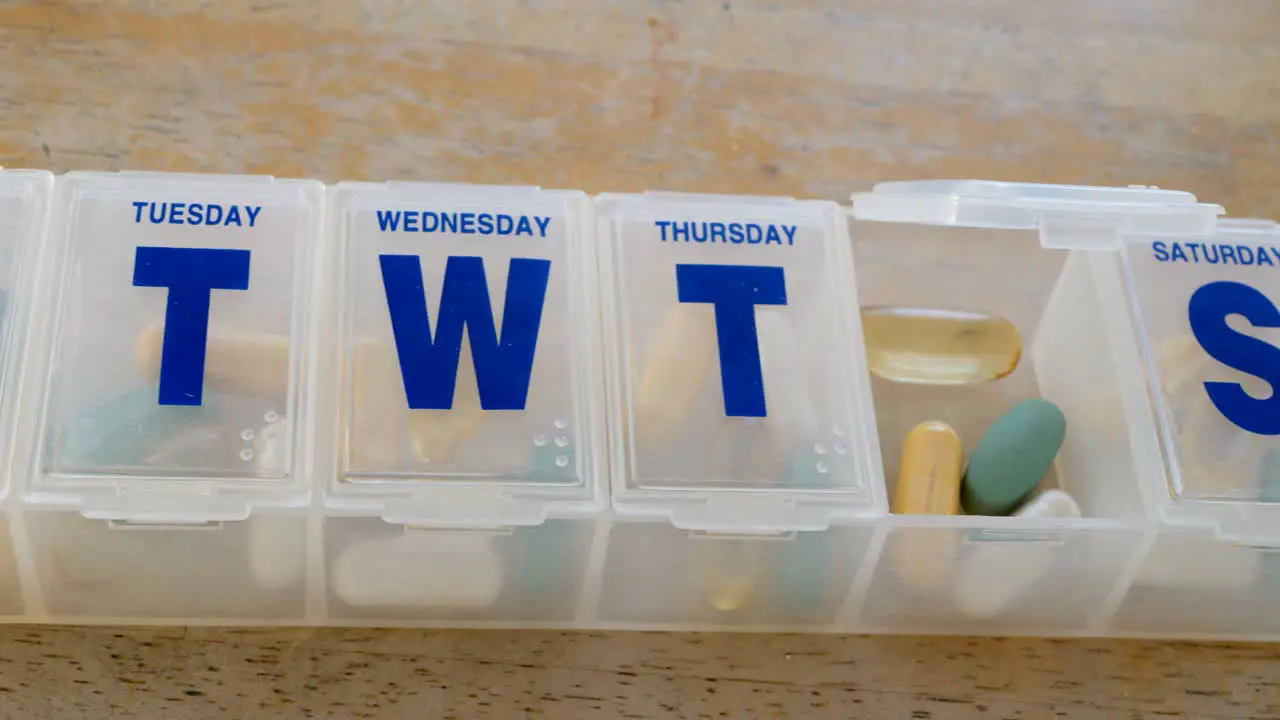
[469, 335]
[24, 199]
[1067, 216]
[736, 363]
[1209, 324]
[177, 317]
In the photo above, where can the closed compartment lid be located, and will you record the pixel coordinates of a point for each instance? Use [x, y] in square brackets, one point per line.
[171, 379]
[737, 375]
[470, 390]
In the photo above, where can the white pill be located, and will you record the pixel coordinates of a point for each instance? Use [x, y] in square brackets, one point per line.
[277, 545]
[277, 550]
[252, 363]
[992, 575]
[420, 569]
[1050, 504]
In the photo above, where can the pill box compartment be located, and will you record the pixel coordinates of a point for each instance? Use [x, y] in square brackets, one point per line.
[103, 571]
[1209, 328]
[24, 204]
[743, 430]
[167, 388]
[1046, 259]
[456, 489]
[24, 201]
[658, 573]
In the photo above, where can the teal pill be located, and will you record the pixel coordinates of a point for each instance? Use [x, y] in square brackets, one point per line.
[800, 577]
[1269, 491]
[544, 558]
[1012, 458]
[801, 574]
[126, 430]
[1269, 476]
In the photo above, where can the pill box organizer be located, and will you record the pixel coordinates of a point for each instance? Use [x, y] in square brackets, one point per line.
[246, 400]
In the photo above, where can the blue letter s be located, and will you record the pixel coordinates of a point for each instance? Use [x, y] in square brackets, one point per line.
[1208, 310]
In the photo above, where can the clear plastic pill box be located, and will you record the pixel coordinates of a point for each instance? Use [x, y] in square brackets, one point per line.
[246, 400]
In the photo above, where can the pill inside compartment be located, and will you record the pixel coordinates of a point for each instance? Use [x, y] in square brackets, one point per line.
[1038, 326]
[380, 571]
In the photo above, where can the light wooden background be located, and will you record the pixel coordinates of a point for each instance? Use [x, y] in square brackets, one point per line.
[795, 97]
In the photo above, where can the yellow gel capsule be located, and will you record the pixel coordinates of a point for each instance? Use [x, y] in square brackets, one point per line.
[675, 368]
[939, 347]
[437, 434]
[930, 471]
[240, 362]
[730, 572]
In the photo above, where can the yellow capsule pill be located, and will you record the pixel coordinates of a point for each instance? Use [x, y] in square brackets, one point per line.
[437, 434]
[928, 483]
[930, 471]
[380, 413]
[248, 363]
[939, 347]
[730, 572]
[675, 368]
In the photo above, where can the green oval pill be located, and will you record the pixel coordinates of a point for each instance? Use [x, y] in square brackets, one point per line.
[1013, 457]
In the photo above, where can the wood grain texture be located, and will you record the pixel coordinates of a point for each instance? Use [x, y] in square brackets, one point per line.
[803, 98]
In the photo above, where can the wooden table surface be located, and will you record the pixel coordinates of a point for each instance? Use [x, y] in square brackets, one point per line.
[795, 97]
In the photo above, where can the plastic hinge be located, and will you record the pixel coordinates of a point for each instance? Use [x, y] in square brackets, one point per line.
[169, 177]
[756, 514]
[176, 507]
[1249, 524]
[464, 508]
[1253, 532]
[675, 196]
[452, 188]
[1073, 231]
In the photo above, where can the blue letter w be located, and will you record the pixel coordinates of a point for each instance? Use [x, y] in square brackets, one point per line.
[429, 365]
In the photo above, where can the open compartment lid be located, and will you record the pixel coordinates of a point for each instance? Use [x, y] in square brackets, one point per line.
[1207, 311]
[1074, 217]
